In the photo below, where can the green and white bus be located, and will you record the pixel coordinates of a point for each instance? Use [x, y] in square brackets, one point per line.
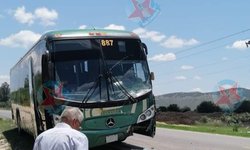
[103, 72]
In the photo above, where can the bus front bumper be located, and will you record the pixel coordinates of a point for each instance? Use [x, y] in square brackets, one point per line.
[101, 137]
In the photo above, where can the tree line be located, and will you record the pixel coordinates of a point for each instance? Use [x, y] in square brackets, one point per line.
[205, 107]
[4, 92]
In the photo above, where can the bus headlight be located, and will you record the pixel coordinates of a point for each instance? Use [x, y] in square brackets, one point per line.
[56, 118]
[147, 114]
[143, 117]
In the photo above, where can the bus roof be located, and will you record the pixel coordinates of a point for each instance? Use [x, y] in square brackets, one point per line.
[83, 33]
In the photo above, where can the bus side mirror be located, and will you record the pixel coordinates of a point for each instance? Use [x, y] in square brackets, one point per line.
[152, 76]
[144, 47]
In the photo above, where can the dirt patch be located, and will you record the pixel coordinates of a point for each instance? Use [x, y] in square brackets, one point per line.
[188, 118]
[4, 145]
[18, 141]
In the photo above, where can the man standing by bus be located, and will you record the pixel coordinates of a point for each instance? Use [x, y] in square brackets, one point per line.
[64, 136]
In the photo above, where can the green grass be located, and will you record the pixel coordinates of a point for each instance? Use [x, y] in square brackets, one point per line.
[226, 130]
[18, 141]
[6, 124]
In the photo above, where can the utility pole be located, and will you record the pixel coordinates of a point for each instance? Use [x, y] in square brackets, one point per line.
[248, 43]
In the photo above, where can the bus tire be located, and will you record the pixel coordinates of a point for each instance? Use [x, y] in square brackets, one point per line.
[123, 139]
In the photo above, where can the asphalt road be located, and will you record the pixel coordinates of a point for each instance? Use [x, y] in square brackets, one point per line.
[5, 114]
[168, 139]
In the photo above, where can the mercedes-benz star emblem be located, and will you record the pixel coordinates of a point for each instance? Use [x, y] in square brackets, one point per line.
[110, 122]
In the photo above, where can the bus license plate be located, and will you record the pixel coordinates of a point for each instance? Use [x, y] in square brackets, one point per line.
[111, 138]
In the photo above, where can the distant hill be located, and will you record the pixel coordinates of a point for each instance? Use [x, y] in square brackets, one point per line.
[193, 99]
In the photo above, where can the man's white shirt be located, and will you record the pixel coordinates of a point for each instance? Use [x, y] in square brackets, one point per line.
[61, 137]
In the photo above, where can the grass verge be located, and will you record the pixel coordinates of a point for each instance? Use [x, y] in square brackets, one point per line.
[225, 130]
[6, 124]
[16, 141]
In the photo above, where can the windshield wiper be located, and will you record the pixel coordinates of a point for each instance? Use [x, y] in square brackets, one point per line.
[93, 88]
[121, 87]
[115, 80]
[108, 75]
[118, 62]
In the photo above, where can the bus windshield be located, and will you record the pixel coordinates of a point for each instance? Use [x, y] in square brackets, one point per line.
[100, 70]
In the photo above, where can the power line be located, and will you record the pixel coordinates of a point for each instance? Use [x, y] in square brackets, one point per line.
[204, 50]
[208, 74]
[207, 43]
[214, 63]
[213, 41]
[208, 64]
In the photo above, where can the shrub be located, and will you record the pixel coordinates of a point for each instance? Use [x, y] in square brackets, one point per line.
[185, 109]
[173, 107]
[162, 109]
[5, 105]
[243, 118]
[208, 107]
[204, 119]
[244, 107]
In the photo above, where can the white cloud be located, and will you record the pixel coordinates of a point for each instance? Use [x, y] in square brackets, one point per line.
[224, 58]
[4, 78]
[140, 31]
[23, 17]
[163, 57]
[187, 67]
[24, 38]
[83, 27]
[196, 90]
[240, 44]
[115, 27]
[152, 35]
[174, 42]
[47, 17]
[226, 86]
[181, 78]
[170, 42]
[197, 77]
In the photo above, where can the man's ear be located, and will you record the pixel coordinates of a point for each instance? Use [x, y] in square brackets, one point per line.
[75, 124]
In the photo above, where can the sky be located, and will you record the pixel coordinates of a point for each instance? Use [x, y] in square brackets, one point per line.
[192, 45]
